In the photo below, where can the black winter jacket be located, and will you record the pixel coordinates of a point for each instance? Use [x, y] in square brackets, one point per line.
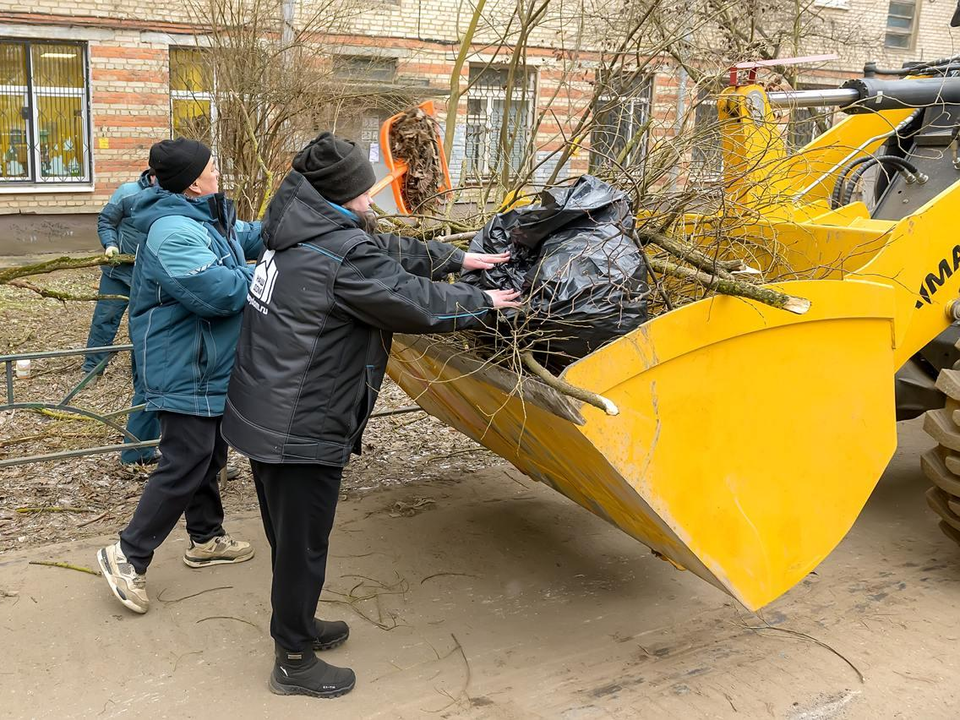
[325, 299]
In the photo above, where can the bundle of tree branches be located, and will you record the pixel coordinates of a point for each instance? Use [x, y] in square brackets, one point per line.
[413, 139]
[684, 273]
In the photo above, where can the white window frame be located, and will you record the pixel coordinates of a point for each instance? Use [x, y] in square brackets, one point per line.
[30, 92]
[488, 94]
[187, 95]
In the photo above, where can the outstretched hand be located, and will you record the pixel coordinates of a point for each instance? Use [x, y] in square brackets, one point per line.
[483, 261]
[504, 298]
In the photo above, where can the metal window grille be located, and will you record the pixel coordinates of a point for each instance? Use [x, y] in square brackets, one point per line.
[193, 107]
[486, 102]
[901, 24]
[44, 113]
[706, 156]
[620, 129]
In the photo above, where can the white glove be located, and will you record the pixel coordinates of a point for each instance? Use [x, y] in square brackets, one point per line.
[111, 251]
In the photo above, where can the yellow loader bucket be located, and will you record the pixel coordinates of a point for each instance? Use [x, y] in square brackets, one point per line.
[748, 439]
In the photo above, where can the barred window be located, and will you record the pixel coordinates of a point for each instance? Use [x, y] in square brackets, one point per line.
[486, 103]
[193, 110]
[706, 155]
[619, 133]
[44, 113]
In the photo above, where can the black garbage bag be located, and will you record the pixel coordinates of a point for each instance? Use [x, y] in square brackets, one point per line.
[576, 264]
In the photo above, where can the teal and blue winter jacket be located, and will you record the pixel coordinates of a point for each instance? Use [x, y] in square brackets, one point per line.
[190, 285]
[116, 229]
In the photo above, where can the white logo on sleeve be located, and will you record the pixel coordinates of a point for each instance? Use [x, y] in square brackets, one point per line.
[264, 279]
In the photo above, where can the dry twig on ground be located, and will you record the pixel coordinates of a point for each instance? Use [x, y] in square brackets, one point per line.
[65, 566]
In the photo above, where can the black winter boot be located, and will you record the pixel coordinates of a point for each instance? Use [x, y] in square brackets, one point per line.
[301, 673]
[330, 634]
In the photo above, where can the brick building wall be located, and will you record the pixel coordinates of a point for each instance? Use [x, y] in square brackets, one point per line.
[127, 56]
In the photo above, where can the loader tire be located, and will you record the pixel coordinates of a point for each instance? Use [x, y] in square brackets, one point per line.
[937, 500]
[941, 465]
[950, 532]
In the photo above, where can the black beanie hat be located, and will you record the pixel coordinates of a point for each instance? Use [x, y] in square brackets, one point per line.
[335, 167]
[177, 163]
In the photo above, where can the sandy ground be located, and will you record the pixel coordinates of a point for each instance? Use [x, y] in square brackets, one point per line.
[498, 598]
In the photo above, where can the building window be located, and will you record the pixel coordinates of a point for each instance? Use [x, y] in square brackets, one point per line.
[193, 110]
[486, 101]
[619, 133]
[372, 79]
[44, 113]
[706, 155]
[364, 68]
[901, 22]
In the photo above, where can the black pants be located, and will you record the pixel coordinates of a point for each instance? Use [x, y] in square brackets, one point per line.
[184, 483]
[297, 503]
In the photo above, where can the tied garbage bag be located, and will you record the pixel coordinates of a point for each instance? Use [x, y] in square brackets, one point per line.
[574, 259]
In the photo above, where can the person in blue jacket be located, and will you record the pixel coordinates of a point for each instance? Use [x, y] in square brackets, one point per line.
[119, 235]
[190, 285]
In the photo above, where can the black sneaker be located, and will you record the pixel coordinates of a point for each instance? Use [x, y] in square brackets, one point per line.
[301, 673]
[330, 634]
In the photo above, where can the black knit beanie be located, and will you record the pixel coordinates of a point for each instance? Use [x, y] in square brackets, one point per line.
[177, 163]
[335, 167]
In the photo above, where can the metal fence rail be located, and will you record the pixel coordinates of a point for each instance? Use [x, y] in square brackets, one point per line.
[107, 419]
[65, 405]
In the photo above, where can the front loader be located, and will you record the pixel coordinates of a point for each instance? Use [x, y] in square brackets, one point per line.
[748, 439]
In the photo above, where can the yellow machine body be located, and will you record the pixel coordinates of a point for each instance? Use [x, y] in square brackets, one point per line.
[748, 438]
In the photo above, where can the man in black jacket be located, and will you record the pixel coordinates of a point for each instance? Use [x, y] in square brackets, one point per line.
[326, 296]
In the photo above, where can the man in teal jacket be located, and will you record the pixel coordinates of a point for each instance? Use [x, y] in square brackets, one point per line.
[118, 235]
[189, 287]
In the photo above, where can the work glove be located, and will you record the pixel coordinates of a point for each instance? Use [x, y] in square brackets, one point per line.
[111, 251]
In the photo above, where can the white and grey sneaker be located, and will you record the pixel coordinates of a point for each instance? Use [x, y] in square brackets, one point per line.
[127, 584]
[221, 550]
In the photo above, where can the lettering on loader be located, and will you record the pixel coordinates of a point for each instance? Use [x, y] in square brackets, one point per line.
[933, 281]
